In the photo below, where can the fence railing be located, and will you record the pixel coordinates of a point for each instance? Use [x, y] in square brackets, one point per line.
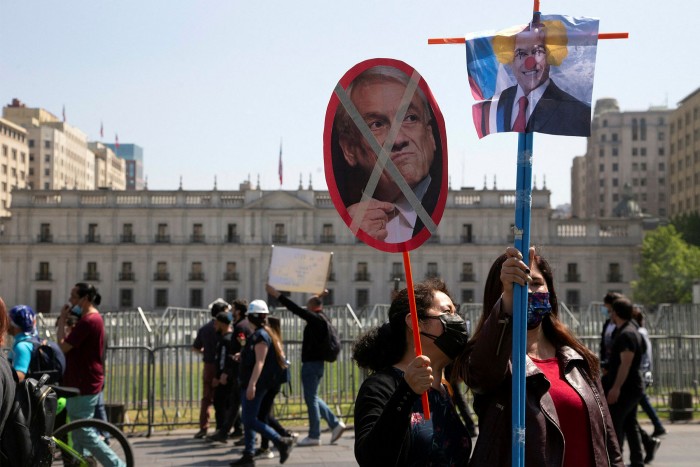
[153, 375]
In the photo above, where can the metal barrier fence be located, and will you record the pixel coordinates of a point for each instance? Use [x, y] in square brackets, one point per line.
[154, 377]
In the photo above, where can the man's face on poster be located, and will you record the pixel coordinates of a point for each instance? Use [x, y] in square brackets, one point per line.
[530, 65]
[413, 151]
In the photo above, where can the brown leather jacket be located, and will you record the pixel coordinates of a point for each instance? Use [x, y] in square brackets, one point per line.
[489, 376]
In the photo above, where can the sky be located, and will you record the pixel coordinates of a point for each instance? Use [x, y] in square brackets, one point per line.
[214, 88]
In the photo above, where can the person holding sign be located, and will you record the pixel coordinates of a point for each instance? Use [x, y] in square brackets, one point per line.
[386, 213]
[390, 429]
[313, 349]
[566, 417]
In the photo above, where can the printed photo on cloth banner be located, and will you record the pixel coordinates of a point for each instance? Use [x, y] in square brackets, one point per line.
[299, 270]
[534, 77]
[385, 155]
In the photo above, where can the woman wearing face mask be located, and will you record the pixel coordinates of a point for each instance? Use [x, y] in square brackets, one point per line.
[566, 417]
[390, 429]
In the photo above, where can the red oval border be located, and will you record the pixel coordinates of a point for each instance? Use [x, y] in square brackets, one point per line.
[422, 236]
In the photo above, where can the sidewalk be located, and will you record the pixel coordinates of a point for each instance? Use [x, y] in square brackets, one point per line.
[680, 448]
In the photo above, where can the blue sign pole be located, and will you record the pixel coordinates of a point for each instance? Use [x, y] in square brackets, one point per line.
[523, 202]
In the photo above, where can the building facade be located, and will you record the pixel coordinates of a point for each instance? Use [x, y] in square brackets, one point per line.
[626, 155]
[184, 248]
[133, 155]
[685, 156]
[14, 162]
[110, 170]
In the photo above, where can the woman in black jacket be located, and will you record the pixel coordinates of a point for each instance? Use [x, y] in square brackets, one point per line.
[389, 425]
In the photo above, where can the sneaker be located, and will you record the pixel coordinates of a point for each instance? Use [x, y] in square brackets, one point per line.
[200, 434]
[246, 461]
[309, 442]
[657, 433]
[337, 432]
[237, 433]
[264, 454]
[217, 437]
[651, 449]
[284, 447]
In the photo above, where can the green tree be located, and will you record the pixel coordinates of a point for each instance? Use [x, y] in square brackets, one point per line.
[668, 268]
[689, 227]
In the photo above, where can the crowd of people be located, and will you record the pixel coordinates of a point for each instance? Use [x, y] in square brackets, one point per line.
[580, 408]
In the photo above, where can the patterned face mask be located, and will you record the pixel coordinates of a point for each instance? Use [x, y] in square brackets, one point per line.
[537, 307]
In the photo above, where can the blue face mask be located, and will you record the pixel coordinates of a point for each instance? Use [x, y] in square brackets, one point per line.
[538, 307]
[604, 310]
[76, 310]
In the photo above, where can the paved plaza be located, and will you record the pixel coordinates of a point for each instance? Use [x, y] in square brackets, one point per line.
[680, 448]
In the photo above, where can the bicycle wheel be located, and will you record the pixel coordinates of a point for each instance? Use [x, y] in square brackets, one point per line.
[117, 443]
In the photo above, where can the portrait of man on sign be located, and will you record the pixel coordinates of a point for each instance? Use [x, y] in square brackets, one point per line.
[387, 157]
[534, 78]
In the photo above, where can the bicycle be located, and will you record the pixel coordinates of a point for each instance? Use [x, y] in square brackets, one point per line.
[62, 437]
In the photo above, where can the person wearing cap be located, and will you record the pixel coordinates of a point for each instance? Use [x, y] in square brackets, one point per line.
[312, 366]
[223, 382]
[205, 343]
[23, 330]
[262, 363]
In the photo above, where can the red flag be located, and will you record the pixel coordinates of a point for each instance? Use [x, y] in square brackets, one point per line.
[279, 169]
[116, 140]
[102, 130]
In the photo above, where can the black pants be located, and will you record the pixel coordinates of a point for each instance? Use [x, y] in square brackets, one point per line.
[223, 404]
[624, 418]
[235, 412]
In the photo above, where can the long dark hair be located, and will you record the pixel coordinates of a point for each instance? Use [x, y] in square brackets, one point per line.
[271, 325]
[385, 345]
[554, 330]
[89, 291]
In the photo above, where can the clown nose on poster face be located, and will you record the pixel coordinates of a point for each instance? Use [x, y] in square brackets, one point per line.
[530, 63]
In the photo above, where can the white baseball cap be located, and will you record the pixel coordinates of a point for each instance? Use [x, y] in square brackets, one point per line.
[258, 307]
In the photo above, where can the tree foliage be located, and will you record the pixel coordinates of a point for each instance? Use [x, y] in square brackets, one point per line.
[688, 225]
[668, 268]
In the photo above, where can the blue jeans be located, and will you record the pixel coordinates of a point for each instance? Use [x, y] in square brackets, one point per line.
[251, 423]
[311, 374]
[649, 410]
[86, 439]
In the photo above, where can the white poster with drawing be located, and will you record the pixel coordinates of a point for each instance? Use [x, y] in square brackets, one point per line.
[298, 270]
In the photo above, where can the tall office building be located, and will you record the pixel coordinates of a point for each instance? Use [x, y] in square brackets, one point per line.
[625, 163]
[133, 155]
[685, 156]
[59, 156]
[14, 162]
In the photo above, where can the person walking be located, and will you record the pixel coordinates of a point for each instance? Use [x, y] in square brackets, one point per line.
[316, 337]
[262, 360]
[223, 382]
[622, 382]
[205, 343]
[84, 350]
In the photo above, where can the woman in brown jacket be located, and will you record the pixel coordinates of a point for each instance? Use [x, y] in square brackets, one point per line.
[567, 422]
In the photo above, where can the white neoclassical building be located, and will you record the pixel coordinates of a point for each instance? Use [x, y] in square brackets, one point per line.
[184, 248]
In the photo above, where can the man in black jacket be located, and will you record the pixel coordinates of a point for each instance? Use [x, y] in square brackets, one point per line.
[223, 383]
[312, 365]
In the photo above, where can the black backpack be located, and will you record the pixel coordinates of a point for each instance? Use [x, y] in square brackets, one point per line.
[47, 358]
[332, 347]
[27, 436]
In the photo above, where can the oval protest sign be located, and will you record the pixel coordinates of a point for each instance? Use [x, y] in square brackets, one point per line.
[385, 155]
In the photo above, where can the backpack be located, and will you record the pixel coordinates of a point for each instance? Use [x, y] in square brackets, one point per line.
[332, 344]
[47, 358]
[27, 436]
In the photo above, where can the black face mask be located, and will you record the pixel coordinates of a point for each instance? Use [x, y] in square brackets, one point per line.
[455, 336]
